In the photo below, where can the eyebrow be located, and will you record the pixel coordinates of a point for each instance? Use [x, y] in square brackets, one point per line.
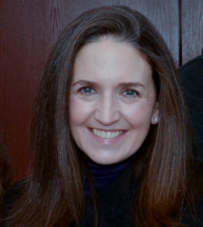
[85, 82]
[122, 85]
[131, 84]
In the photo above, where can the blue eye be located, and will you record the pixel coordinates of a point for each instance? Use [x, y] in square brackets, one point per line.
[87, 90]
[130, 93]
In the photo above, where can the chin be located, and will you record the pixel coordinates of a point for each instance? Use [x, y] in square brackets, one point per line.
[106, 160]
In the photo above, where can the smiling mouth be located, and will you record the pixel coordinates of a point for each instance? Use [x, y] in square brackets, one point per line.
[106, 134]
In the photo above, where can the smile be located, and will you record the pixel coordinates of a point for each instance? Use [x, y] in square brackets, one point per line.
[106, 134]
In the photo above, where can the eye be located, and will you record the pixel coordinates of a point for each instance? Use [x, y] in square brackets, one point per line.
[130, 93]
[87, 90]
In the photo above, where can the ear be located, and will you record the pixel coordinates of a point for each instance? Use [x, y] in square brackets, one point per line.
[155, 114]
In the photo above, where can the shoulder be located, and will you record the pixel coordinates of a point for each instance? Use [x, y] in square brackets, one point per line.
[195, 218]
[192, 68]
[191, 76]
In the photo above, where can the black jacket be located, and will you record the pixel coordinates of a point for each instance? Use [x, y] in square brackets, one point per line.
[114, 204]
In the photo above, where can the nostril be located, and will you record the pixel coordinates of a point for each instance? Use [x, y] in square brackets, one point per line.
[106, 116]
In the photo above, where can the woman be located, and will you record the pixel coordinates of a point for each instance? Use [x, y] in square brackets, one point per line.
[109, 130]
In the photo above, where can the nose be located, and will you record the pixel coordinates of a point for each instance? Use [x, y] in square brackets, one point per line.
[107, 111]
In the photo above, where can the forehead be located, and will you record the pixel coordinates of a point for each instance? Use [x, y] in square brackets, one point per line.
[110, 59]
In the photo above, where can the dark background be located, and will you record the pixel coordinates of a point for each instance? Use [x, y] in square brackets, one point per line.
[29, 29]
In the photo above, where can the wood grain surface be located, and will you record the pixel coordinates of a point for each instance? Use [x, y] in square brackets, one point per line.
[192, 29]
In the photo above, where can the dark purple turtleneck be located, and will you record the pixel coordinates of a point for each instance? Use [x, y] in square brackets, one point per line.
[104, 174]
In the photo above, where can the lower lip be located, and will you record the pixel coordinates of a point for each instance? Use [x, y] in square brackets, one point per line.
[108, 141]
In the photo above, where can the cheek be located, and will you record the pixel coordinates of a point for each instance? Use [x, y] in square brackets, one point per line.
[75, 112]
[139, 115]
[79, 111]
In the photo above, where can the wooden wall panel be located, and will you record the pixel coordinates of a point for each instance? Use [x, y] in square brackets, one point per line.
[163, 14]
[22, 61]
[192, 29]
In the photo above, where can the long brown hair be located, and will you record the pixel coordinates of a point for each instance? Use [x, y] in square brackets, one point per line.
[53, 194]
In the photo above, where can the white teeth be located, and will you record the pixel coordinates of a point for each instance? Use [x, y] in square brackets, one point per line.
[94, 131]
[103, 134]
[106, 135]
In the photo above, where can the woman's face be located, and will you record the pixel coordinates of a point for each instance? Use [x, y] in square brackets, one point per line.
[113, 100]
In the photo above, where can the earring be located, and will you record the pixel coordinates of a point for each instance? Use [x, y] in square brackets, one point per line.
[155, 119]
